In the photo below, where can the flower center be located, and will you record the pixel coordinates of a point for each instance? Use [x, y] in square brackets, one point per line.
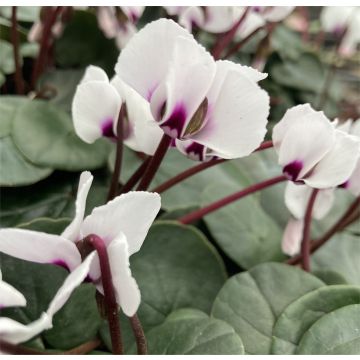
[292, 170]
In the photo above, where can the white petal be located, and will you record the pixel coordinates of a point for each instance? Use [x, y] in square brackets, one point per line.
[185, 86]
[190, 16]
[35, 32]
[277, 13]
[124, 34]
[333, 18]
[303, 137]
[237, 116]
[298, 196]
[126, 289]
[107, 21]
[193, 150]
[73, 280]
[353, 184]
[72, 231]
[252, 22]
[336, 167]
[220, 19]
[291, 241]
[131, 214]
[39, 247]
[9, 296]
[174, 10]
[133, 13]
[95, 108]
[145, 60]
[144, 134]
[94, 73]
[15, 332]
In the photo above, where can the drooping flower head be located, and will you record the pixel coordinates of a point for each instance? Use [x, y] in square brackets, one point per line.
[210, 108]
[96, 106]
[343, 21]
[312, 151]
[122, 224]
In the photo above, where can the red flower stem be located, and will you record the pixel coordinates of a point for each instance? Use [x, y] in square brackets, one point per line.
[112, 311]
[154, 163]
[135, 177]
[241, 43]
[19, 81]
[139, 335]
[198, 214]
[119, 154]
[45, 44]
[226, 38]
[198, 168]
[305, 243]
[343, 221]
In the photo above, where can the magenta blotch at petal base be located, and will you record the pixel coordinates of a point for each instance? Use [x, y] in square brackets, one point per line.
[292, 170]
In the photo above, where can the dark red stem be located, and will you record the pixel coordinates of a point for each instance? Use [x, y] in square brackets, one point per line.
[19, 81]
[198, 214]
[338, 226]
[154, 163]
[139, 335]
[135, 177]
[109, 294]
[198, 168]
[226, 38]
[241, 43]
[119, 154]
[305, 243]
[45, 44]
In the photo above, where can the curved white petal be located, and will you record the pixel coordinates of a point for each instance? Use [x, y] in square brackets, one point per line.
[94, 73]
[142, 133]
[252, 22]
[131, 214]
[145, 61]
[303, 137]
[185, 87]
[39, 247]
[73, 280]
[190, 16]
[107, 21]
[9, 296]
[95, 108]
[35, 33]
[220, 19]
[124, 34]
[297, 198]
[16, 333]
[237, 116]
[276, 13]
[72, 231]
[291, 241]
[336, 167]
[193, 150]
[133, 13]
[126, 289]
[334, 18]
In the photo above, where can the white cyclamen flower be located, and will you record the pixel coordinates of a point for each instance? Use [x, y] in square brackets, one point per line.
[312, 151]
[15, 332]
[340, 19]
[96, 107]
[210, 108]
[122, 224]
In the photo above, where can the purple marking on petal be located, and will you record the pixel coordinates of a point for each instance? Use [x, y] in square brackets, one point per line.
[62, 263]
[174, 125]
[2, 306]
[292, 170]
[107, 128]
[256, 8]
[344, 185]
[338, 30]
[195, 151]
